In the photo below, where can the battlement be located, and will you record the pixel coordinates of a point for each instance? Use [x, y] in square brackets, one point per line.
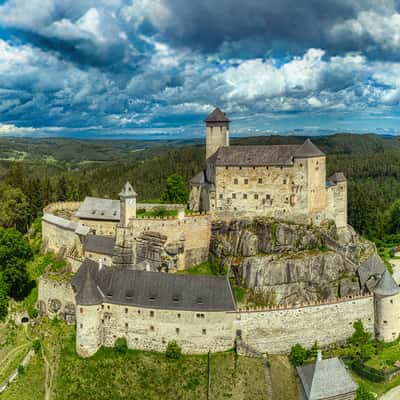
[338, 300]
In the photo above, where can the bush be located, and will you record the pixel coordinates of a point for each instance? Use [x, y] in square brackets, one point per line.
[298, 355]
[121, 346]
[173, 351]
[36, 345]
[21, 369]
[364, 394]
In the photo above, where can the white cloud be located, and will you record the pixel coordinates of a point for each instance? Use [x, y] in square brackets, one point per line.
[11, 129]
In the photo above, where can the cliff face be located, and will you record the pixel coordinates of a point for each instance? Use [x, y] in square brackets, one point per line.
[294, 263]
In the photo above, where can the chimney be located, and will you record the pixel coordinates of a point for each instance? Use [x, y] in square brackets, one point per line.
[100, 264]
[147, 266]
[319, 355]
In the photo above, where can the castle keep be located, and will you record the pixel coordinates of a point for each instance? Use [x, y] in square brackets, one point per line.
[249, 202]
[282, 181]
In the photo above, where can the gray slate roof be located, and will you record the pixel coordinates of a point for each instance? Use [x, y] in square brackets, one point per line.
[153, 289]
[372, 266]
[88, 292]
[278, 155]
[100, 209]
[99, 244]
[387, 285]
[66, 224]
[337, 177]
[127, 191]
[326, 379]
[217, 116]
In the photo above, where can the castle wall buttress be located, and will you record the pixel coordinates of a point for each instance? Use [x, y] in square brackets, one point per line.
[316, 184]
[88, 332]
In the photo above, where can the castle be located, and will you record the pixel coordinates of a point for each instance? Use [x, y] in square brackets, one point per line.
[282, 181]
[117, 256]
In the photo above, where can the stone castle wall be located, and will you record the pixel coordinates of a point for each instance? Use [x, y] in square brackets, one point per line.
[195, 230]
[276, 331]
[56, 299]
[272, 330]
[56, 237]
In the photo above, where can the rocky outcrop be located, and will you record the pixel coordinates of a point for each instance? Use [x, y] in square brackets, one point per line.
[297, 263]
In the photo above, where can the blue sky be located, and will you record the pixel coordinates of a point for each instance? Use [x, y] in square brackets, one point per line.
[145, 68]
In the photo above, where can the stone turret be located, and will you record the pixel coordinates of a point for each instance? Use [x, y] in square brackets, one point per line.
[127, 204]
[217, 131]
[88, 300]
[387, 308]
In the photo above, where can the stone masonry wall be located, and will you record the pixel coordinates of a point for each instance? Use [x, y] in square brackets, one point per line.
[276, 331]
[57, 237]
[195, 230]
[56, 298]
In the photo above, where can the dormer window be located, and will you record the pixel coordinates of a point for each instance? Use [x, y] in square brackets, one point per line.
[199, 300]
[152, 296]
[175, 298]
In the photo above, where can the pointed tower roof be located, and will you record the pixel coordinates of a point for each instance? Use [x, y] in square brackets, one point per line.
[387, 285]
[127, 191]
[326, 379]
[217, 116]
[308, 149]
[88, 294]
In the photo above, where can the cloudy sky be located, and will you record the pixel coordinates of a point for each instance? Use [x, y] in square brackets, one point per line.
[159, 66]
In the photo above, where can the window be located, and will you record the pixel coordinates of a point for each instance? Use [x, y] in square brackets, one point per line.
[284, 181]
[301, 165]
[126, 311]
[221, 196]
[138, 311]
[244, 196]
[268, 197]
[81, 326]
[236, 181]
[204, 331]
[226, 167]
[177, 330]
[102, 306]
[256, 197]
[152, 328]
[126, 324]
[81, 310]
[233, 195]
[246, 181]
[179, 315]
[259, 180]
[151, 313]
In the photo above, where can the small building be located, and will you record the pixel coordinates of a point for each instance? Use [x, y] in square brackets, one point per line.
[326, 380]
[98, 248]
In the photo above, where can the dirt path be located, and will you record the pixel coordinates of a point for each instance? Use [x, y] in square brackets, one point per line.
[48, 377]
[5, 363]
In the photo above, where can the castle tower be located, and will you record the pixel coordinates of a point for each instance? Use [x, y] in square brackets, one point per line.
[310, 159]
[127, 204]
[88, 300]
[387, 308]
[217, 131]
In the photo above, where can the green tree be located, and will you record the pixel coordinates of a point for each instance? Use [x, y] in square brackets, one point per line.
[176, 190]
[298, 354]
[121, 345]
[14, 208]
[360, 335]
[393, 218]
[3, 298]
[15, 251]
[173, 351]
[363, 393]
[313, 352]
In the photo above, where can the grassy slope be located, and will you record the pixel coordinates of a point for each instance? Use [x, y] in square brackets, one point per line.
[135, 375]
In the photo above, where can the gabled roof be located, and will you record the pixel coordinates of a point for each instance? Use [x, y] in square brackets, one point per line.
[337, 177]
[217, 116]
[198, 179]
[254, 155]
[66, 224]
[99, 209]
[88, 293]
[154, 289]
[99, 244]
[387, 285]
[308, 149]
[127, 191]
[326, 379]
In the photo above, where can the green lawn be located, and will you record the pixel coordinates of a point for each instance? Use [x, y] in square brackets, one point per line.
[386, 358]
[134, 375]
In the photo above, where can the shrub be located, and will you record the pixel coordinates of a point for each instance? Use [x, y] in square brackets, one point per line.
[173, 350]
[36, 345]
[121, 346]
[21, 369]
[364, 394]
[298, 354]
